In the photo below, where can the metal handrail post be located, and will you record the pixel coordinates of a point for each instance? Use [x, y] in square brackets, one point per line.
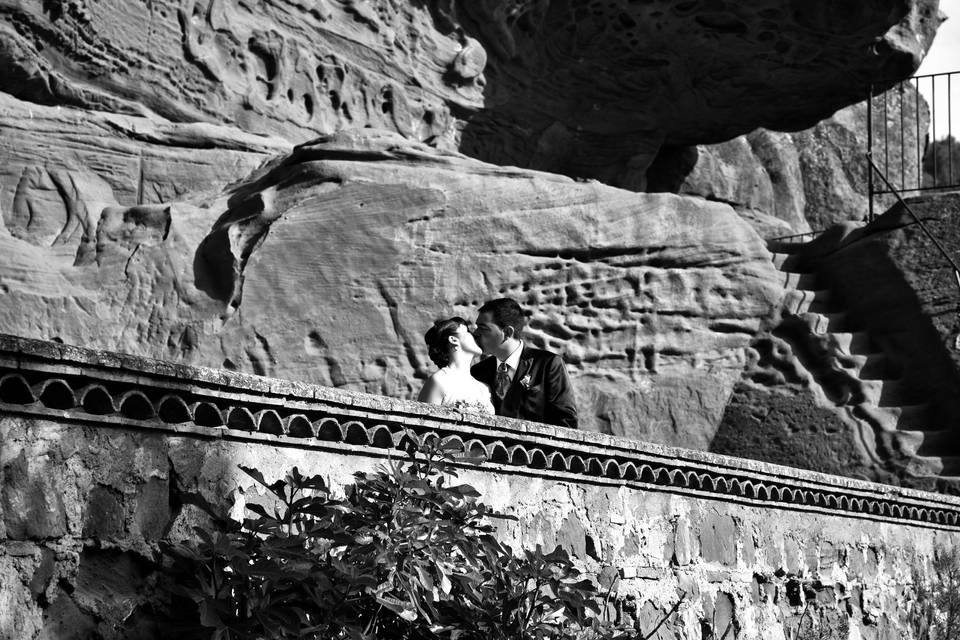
[870, 153]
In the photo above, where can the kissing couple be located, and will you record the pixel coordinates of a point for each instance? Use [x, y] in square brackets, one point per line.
[513, 379]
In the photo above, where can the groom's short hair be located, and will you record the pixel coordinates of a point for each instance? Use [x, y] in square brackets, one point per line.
[506, 312]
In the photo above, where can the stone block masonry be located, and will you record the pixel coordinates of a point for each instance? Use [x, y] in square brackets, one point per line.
[101, 453]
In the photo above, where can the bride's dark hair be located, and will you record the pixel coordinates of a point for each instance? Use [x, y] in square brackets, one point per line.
[437, 338]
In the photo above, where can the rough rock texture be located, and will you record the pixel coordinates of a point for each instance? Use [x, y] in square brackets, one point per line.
[583, 88]
[80, 561]
[904, 291]
[133, 217]
[102, 158]
[788, 183]
[869, 339]
[63, 166]
[328, 264]
[289, 68]
[664, 73]
[923, 268]
[776, 424]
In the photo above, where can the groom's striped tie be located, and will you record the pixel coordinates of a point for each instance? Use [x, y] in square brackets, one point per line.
[503, 381]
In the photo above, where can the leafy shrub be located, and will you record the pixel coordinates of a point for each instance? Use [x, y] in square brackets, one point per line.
[405, 554]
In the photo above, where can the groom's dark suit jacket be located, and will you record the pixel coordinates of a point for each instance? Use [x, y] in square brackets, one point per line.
[540, 390]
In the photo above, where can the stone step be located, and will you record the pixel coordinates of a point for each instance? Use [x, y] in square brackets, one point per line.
[869, 366]
[938, 443]
[925, 466]
[886, 393]
[892, 419]
[799, 301]
[951, 465]
[914, 416]
[851, 342]
[823, 323]
[799, 280]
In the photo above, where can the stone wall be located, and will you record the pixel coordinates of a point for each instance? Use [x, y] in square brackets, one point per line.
[101, 452]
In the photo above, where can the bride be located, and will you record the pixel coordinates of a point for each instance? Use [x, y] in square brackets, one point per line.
[452, 348]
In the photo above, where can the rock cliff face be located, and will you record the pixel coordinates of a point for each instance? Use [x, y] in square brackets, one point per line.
[591, 89]
[153, 199]
[328, 265]
[790, 183]
[865, 353]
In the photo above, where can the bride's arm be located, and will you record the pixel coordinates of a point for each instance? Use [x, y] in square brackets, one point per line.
[432, 391]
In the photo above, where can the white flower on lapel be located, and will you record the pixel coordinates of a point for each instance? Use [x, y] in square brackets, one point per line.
[525, 381]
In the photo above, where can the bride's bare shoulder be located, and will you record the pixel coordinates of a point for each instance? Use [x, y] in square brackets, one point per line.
[434, 388]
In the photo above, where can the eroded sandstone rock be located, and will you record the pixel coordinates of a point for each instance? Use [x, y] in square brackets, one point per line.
[864, 355]
[329, 263]
[583, 88]
[788, 183]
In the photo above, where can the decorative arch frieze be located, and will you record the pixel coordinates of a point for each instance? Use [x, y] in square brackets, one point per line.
[59, 382]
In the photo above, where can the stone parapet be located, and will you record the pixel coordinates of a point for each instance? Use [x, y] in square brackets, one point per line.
[61, 382]
[104, 456]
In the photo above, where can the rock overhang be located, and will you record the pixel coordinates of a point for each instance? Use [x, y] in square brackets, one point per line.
[569, 86]
[600, 87]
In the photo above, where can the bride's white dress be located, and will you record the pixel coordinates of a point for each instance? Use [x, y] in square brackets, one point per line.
[463, 391]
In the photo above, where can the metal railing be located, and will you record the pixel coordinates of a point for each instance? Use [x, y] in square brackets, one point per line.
[806, 236]
[910, 135]
[873, 168]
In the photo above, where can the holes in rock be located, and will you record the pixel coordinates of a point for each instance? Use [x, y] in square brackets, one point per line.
[525, 23]
[722, 23]
[266, 66]
[387, 106]
[649, 358]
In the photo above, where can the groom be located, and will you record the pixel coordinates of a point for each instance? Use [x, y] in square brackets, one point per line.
[525, 383]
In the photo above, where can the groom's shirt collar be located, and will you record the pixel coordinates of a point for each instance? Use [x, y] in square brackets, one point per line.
[513, 360]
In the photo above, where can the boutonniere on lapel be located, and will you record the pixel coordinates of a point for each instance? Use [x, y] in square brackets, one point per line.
[525, 382]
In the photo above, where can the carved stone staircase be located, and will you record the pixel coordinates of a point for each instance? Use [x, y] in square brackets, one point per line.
[897, 426]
